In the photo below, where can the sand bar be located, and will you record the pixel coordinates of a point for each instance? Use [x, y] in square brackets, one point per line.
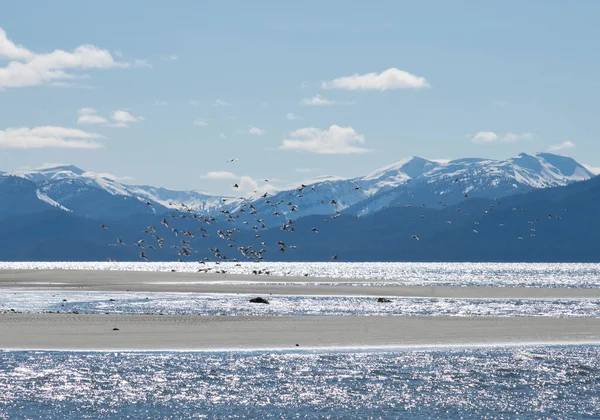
[155, 332]
[139, 281]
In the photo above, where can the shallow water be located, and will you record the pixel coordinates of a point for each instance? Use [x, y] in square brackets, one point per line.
[441, 274]
[500, 382]
[207, 304]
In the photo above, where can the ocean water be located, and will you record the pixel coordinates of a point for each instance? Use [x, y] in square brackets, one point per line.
[238, 304]
[488, 382]
[430, 274]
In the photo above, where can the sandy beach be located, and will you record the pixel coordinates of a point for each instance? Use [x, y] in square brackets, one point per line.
[162, 282]
[154, 332]
[203, 332]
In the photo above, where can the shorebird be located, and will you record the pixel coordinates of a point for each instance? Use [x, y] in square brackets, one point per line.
[143, 256]
[103, 226]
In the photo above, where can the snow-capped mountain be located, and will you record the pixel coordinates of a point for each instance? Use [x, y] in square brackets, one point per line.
[95, 195]
[418, 182]
[412, 182]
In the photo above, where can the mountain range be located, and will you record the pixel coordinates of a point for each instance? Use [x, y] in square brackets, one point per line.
[414, 209]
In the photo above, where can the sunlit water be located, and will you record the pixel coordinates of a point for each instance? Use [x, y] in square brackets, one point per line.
[445, 274]
[203, 304]
[513, 382]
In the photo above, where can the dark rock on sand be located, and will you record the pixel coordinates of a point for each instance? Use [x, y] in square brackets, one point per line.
[259, 300]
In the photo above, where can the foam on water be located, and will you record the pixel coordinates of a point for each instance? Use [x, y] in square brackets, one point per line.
[513, 382]
[442, 274]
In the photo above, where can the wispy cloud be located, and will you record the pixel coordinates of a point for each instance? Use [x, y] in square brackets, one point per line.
[221, 102]
[391, 78]
[334, 140]
[244, 183]
[293, 117]
[160, 103]
[200, 122]
[565, 145]
[318, 100]
[168, 57]
[255, 131]
[219, 175]
[28, 68]
[489, 137]
[194, 102]
[48, 137]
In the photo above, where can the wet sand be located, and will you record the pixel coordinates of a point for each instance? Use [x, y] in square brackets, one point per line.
[155, 332]
[201, 332]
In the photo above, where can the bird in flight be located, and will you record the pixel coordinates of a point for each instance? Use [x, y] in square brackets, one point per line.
[231, 160]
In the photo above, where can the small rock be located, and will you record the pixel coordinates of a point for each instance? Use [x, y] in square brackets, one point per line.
[259, 300]
[297, 345]
[383, 300]
[115, 329]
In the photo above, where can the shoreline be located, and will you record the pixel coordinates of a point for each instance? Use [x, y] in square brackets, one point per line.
[214, 333]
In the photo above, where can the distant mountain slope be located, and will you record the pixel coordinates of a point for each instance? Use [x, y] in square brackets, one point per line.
[553, 224]
[416, 181]
[419, 181]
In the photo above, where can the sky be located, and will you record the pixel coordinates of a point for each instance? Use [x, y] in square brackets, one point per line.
[168, 93]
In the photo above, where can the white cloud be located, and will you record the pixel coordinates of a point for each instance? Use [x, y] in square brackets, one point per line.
[222, 136]
[488, 137]
[160, 103]
[318, 100]
[244, 183]
[48, 136]
[483, 137]
[91, 119]
[200, 123]
[391, 78]
[334, 140]
[32, 69]
[293, 117]
[255, 131]
[221, 102]
[565, 145]
[194, 102]
[86, 111]
[123, 118]
[247, 183]
[219, 175]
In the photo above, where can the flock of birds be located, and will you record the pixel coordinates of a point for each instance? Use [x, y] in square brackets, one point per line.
[248, 214]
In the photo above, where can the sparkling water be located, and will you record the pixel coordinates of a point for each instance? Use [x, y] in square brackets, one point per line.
[238, 304]
[487, 382]
[429, 274]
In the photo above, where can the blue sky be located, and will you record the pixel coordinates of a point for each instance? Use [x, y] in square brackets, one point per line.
[165, 93]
